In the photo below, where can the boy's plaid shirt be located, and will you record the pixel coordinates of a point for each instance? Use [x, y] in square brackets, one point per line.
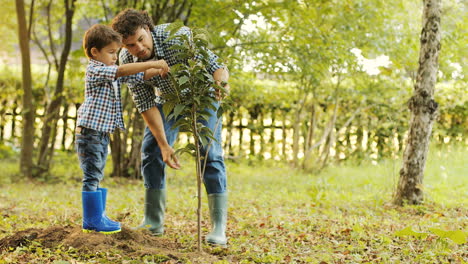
[144, 94]
[102, 108]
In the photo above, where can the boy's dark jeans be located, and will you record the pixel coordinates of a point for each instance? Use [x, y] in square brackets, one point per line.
[91, 146]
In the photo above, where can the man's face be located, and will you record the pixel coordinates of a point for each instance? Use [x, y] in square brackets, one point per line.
[140, 44]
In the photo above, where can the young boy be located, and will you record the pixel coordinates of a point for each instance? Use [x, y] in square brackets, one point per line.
[101, 114]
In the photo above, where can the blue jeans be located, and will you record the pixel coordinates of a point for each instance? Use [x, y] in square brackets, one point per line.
[152, 164]
[91, 146]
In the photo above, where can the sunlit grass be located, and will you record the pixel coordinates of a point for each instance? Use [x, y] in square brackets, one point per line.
[275, 211]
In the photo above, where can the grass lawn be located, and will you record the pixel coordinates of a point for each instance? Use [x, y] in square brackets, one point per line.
[276, 215]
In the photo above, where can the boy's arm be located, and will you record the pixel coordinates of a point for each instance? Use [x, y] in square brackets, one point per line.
[134, 68]
[150, 73]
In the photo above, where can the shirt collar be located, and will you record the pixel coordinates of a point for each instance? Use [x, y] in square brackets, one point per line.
[93, 62]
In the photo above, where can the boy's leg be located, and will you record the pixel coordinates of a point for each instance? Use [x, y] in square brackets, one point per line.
[91, 148]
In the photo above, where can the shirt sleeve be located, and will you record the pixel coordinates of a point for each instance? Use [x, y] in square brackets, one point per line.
[96, 75]
[135, 78]
[143, 94]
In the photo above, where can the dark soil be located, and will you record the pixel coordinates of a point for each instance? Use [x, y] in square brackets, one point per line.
[128, 242]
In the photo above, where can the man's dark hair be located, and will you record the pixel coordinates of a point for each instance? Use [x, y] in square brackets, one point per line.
[98, 36]
[130, 20]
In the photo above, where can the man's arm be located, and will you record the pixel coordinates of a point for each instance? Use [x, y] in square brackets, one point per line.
[154, 122]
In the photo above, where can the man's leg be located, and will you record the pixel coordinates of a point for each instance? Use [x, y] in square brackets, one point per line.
[216, 182]
[153, 171]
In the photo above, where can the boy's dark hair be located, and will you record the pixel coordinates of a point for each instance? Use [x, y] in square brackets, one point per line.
[128, 21]
[98, 36]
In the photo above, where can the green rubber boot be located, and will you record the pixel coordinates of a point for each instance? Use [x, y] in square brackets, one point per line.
[155, 204]
[217, 203]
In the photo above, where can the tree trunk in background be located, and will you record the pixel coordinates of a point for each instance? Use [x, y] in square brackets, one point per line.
[272, 140]
[241, 133]
[423, 109]
[64, 120]
[296, 134]
[27, 144]
[261, 130]
[283, 145]
[47, 144]
[228, 142]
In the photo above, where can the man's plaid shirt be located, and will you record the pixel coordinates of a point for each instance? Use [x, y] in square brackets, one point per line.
[144, 95]
[102, 108]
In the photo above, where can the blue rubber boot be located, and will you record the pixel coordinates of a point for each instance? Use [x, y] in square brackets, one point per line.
[92, 214]
[104, 200]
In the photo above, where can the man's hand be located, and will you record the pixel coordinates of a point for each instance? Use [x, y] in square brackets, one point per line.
[169, 157]
[162, 65]
[220, 94]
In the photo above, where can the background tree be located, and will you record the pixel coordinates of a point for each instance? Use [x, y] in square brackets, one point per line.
[28, 111]
[52, 113]
[423, 109]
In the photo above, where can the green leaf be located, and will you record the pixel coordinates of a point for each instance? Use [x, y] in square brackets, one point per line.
[174, 27]
[220, 112]
[167, 108]
[178, 109]
[183, 80]
[409, 232]
[456, 236]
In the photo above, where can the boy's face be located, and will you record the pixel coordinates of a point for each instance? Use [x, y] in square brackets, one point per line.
[107, 55]
[140, 44]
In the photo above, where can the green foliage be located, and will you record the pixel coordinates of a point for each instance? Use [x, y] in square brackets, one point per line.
[193, 85]
[6, 151]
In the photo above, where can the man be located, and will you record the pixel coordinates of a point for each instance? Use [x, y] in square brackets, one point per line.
[143, 41]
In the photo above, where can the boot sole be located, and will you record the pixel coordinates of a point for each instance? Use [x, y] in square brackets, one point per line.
[102, 232]
[214, 243]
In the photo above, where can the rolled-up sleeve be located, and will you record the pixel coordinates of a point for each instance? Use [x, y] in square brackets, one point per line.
[143, 96]
[214, 64]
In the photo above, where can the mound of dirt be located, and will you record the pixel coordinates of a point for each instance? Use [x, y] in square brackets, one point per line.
[135, 243]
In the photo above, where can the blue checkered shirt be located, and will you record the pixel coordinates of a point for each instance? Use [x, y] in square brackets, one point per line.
[144, 95]
[102, 108]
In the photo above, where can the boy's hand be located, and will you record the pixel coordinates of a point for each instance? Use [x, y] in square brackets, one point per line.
[162, 65]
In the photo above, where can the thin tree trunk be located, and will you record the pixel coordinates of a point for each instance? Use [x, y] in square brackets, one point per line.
[27, 143]
[262, 138]
[65, 126]
[228, 143]
[46, 147]
[272, 141]
[241, 133]
[423, 109]
[116, 150]
[283, 146]
[199, 175]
